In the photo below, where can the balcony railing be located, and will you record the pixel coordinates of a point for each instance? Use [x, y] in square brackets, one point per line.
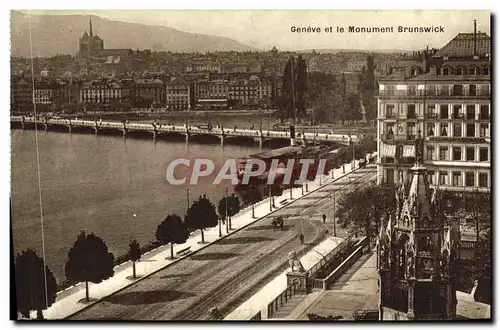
[431, 115]
[483, 116]
[454, 93]
[403, 93]
[398, 137]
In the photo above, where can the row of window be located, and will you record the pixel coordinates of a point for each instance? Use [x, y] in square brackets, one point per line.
[178, 90]
[458, 129]
[112, 93]
[448, 178]
[458, 153]
[459, 111]
[474, 70]
[436, 90]
[437, 111]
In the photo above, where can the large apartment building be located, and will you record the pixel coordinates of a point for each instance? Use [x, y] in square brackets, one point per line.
[445, 96]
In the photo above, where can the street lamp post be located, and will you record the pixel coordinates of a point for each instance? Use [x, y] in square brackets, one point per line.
[220, 227]
[227, 220]
[334, 219]
[270, 199]
[353, 154]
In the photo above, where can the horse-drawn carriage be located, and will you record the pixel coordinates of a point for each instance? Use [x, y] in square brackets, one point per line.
[278, 222]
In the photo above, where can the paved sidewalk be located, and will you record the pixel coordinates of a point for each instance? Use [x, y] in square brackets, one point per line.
[260, 300]
[69, 300]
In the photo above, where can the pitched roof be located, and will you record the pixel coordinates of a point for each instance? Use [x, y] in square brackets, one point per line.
[463, 45]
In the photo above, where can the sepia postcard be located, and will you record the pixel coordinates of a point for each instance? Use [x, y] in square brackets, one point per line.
[250, 165]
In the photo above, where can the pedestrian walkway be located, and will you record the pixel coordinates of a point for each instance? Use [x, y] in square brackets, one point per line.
[260, 300]
[356, 289]
[70, 300]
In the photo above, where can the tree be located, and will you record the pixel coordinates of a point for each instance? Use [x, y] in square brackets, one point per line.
[172, 230]
[36, 289]
[364, 207]
[201, 215]
[89, 261]
[353, 111]
[134, 254]
[368, 89]
[478, 207]
[294, 89]
[231, 204]
[483, 269]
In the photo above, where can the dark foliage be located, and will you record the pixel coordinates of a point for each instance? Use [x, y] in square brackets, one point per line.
[134, 253]
[201, 215]
[363, 208]
[233, 206]
[89, 260]
[36, 289]
[172, 230]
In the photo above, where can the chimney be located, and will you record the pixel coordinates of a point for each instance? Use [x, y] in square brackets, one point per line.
[475, 38]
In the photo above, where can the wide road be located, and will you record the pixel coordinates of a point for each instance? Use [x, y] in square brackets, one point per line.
[225, 273]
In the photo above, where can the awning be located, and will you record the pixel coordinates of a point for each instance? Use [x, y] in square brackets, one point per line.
[388, 150]
[408, 151]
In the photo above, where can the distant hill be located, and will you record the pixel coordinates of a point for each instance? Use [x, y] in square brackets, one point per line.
[335, 51]
[58, 34]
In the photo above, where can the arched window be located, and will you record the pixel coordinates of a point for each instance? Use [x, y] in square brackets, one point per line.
[446, 71]
[472, 70]
[486, 71]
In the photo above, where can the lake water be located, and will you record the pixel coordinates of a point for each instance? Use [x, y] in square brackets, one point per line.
[96, 184]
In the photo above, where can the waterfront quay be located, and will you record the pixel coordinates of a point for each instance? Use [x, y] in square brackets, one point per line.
[161, 130]
[229, 271]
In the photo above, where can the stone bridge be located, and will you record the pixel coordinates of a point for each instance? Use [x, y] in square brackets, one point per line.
[157, 129]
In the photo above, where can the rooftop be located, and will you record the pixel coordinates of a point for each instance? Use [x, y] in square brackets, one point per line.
[463, 45]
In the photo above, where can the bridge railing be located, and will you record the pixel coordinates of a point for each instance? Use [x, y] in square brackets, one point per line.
[280, 300]
[192, 129]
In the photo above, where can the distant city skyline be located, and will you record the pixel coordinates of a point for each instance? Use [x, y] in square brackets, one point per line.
[265, 29]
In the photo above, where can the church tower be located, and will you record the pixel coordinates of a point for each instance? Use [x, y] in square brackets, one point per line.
[417, 254]
[91, 43]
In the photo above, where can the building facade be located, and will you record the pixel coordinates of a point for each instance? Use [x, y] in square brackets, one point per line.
[101, 92]
[178, 95]
[21, 94]
[148, 93]
[211, 94]
[446, 95]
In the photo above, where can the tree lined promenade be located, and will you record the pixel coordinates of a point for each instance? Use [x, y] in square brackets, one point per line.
[247, 215]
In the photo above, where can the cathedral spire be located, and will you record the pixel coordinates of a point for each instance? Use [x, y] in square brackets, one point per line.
[91, 34]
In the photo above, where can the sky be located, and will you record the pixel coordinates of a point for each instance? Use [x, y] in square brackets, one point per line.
[265, 29]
